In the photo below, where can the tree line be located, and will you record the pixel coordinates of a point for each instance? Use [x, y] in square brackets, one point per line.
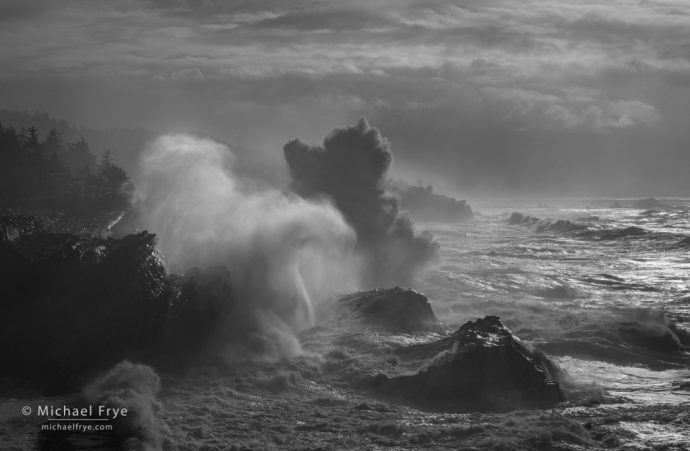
[47, 172]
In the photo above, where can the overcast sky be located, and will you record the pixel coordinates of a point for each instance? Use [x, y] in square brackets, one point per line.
[481, 97]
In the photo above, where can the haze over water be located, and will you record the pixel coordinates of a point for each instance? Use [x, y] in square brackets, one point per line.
[565, 107]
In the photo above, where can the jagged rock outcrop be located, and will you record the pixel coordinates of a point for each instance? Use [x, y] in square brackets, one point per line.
[13, 226]
[482, 366]
[199, 302]
[425, 205]
[394, 309]
[516, 218]
[70, 303]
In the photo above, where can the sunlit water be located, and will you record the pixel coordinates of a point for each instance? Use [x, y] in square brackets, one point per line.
[569, 289]
[552, 285]
[573, 290]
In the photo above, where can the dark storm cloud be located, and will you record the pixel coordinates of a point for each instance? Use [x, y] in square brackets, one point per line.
[351, 168]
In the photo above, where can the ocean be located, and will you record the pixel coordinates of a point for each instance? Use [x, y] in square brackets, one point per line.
[603, 291]
[597, 291]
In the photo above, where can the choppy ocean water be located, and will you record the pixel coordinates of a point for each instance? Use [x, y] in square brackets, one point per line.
[593, 286]
[604, 291]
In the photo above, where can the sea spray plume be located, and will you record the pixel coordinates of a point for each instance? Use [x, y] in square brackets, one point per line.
[133, 387]
[351, 167]
[284, 253]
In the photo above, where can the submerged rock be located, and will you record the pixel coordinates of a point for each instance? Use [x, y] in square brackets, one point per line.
[482, 366]
[395, 309]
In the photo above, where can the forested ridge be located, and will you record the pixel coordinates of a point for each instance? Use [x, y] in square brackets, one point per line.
[45, 171]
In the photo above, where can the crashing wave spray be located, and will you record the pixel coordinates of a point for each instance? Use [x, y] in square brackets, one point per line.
[283, 252]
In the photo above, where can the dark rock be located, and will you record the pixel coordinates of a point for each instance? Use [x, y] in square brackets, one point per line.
[12, 226]
[70, 304]
[655, 331]
[482, 366]
[425, 205]
[518, 219]
[649, 203]
[616, 204]
[395, 309]
[199, 302]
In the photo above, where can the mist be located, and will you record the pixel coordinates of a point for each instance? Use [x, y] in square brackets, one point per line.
[133, 387]
[351, 168]
[284, 253]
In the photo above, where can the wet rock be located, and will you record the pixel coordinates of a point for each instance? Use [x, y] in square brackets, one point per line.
[198, 303]
[12, 226]
[425, 205]
[70, 304]
[656, 332]
[394, 309]
[482, 366]
[520, 219]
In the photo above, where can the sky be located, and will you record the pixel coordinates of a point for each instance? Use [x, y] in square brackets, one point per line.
[480, 97]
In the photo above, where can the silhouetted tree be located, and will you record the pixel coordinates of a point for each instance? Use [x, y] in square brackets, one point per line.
[115, 179]
[53, 142]
[57, 178]
[78, 156]
[106, 160]
[32, 142]
[55, 174]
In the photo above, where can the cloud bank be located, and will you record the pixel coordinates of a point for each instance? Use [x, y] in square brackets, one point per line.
[542, 83]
